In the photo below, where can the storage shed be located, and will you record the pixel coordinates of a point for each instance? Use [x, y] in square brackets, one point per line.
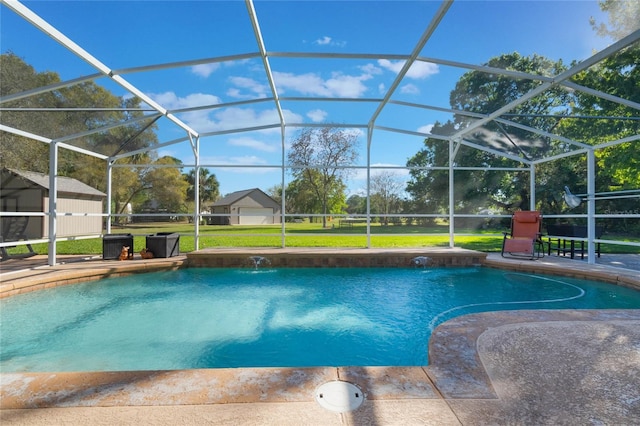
[247, 207]
[25, 191]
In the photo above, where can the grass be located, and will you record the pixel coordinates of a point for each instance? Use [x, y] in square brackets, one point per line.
[307, 235]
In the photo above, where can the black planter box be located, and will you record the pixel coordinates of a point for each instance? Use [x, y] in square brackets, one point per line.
[164, 244]
[112, 245]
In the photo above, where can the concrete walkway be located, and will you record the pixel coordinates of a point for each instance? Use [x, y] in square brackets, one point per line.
[512, 367]
[626, 261]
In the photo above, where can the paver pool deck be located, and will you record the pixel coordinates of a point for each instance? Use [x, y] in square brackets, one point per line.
[511, 367]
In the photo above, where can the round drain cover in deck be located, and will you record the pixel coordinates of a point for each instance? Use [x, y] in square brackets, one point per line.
[339, 396]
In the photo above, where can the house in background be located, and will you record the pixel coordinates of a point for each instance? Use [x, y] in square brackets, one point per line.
[24, 191]
[248, 207]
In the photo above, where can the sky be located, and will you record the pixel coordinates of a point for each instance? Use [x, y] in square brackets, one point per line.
[128, 34]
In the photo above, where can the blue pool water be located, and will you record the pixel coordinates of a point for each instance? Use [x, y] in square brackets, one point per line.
[212, 318]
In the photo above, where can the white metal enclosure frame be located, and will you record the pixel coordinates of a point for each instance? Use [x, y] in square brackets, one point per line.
[193, 136]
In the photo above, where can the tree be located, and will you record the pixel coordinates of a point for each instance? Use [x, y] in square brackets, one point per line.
[296, 197]
[209, 188]
[624, 18]
[72, 117]
[167, 185]
[126, 184]
[618, 166]
[301, 196]
[356, 204]
[318, 158]
[482, 92]
[275, 192]
[386, 188]
[619, 75]
[19, 152]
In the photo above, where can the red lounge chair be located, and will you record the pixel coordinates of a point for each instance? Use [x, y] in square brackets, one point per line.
[524, 240]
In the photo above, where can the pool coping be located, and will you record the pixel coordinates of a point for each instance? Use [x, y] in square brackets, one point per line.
[455, 371]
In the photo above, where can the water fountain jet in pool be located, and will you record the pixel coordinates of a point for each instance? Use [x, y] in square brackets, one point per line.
[423, 261]
[258, 261]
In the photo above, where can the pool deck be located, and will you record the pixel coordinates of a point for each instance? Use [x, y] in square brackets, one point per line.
[509, 367]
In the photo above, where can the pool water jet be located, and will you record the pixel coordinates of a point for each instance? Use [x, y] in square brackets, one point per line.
[423, 261]
[258, 261]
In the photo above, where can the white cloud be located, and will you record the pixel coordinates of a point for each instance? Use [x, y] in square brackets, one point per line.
[195, 119]
[421, 70]
[391, 66]
[244, 160]
[291, 117]
[347, 85]
[230, 118]
[256, 89]
[410, 89]
[234, 92]
[328, 41]
[339, 85]
[425, 129]
[252, 143]
[205, 70]
[310, 84]
[323, 40]
[418, 70]
[371, 69]
[233, 118]
[382, 88]
[170, 100]
[342, 85]
[317, 115]
[357, 133]
[248, 160]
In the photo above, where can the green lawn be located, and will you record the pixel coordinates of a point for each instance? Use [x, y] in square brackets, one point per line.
[309, 235]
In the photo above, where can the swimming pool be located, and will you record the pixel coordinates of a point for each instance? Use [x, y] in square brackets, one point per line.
[214, 318]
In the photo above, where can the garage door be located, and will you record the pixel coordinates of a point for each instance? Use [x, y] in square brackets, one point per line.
[255, 216]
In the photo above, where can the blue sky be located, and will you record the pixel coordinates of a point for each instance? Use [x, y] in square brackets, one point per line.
[126, 34]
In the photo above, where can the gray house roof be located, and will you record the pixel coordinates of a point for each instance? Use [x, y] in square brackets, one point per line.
[238, 195]
[65, 184]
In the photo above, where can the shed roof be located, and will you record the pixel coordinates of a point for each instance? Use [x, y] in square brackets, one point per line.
[65, 184]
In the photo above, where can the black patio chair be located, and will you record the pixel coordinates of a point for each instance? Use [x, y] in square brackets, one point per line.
[13, 229]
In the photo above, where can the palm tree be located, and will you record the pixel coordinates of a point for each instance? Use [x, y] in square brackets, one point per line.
[209, 186]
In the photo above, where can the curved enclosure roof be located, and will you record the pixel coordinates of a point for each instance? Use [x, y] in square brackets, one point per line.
[242, 76]
[227, 86]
